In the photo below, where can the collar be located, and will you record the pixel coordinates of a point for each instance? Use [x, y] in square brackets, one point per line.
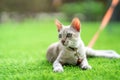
[73, 49]
[76, 54]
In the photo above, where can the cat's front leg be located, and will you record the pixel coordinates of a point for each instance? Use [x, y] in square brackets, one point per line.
[57, 66]
[84, 64]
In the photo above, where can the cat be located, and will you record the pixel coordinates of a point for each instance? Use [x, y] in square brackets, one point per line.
[70, 48]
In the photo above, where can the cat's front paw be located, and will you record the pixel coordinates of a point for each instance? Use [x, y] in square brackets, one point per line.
[58, 69]
[85, 67]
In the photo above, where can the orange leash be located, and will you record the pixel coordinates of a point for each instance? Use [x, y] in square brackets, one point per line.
[104, 22]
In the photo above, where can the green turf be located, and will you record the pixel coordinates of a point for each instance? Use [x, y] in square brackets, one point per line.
[23, 52]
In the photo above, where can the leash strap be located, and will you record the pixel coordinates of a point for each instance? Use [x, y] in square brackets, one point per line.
[104, 22]
[78, 60]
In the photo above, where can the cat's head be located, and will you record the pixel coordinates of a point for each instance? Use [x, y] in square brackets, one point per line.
[69, 35]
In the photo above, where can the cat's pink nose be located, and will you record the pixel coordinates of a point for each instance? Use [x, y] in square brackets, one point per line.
[63, 41]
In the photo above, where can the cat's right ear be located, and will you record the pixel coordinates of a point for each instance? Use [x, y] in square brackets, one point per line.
[58, 24]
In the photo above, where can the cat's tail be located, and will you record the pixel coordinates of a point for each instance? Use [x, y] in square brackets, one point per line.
[102, 53]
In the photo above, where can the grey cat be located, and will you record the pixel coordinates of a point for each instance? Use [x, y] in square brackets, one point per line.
[70, 48]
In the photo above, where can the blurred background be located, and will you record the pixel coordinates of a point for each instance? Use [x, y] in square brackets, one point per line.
[27, 29]
[86, 10]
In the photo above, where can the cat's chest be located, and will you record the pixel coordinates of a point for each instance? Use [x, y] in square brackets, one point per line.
[69, 54]
[73, 54]
[69, 57]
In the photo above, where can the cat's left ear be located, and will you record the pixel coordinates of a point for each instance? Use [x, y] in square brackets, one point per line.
[58, 24]
[76, 24]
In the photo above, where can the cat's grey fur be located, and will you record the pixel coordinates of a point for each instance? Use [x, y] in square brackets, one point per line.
[70, 48]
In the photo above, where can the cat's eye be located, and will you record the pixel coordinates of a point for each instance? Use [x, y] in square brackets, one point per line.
[69, 35]
[60, 36]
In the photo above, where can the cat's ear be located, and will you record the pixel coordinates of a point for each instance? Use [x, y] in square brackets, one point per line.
[76, 24]
[58, 24]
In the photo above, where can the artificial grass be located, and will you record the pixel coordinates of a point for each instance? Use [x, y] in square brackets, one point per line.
[23, 52]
